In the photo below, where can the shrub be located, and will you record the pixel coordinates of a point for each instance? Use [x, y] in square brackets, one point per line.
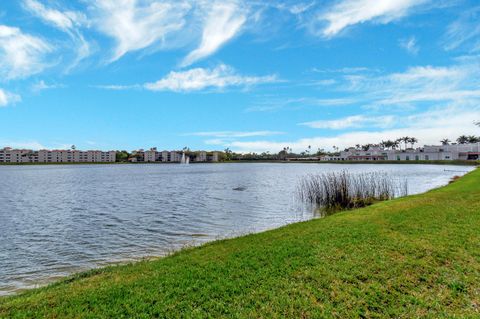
[344, 190]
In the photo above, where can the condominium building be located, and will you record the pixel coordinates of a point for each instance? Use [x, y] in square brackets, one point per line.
[153, 155]
[9, 155]
[426, 153]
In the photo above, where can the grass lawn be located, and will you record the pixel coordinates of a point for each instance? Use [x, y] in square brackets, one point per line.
[417, 256]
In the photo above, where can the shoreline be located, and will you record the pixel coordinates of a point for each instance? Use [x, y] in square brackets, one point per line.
[455, 162]
[211, 266]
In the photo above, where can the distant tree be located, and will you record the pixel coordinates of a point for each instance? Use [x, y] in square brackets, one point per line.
[395, 144]
[405, 140]
[477, 123]
[392, 144]
[412, 141]
[228, 154]
[445, 141]
[473, 139]
[122, 156]
[463, 139]
[309, 148]
[283, 153]
[366, 147]
[73, 147]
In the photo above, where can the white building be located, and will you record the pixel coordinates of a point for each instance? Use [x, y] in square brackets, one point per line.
[152, 156]
[9, 155]
[426, 153]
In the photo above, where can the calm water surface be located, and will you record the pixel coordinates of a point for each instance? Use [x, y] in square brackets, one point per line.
[57, 220]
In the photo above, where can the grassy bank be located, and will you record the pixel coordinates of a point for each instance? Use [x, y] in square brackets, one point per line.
[417, 256]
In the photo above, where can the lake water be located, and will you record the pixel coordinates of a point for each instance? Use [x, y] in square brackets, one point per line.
[57, 220]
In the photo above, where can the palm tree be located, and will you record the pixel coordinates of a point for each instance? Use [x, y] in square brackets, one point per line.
[391, 144]
[463, 139]
[445, 141]
[412, 141]
[472, 139]
[406, 140]
[395, 144]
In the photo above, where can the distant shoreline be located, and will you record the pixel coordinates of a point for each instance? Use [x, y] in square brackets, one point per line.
[454, 162]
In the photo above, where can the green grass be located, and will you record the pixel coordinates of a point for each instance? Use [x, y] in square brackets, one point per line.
[417, 256]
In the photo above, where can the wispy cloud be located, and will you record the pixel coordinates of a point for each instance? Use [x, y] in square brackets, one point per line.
[42, 86]
[21, 54]
[31, 145]
[198, 79]
[355, 121]
[459, 81]
[465, 31]
[7, 98]
[301, 7]
[224, 20]
[410, 45]
[115, 87]
[351, 12]
[277, 103]
[235, 134]
[66, 21]
[134, 25]
[429, 127]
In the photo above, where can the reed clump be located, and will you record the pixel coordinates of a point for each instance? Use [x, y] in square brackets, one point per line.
[344, 190]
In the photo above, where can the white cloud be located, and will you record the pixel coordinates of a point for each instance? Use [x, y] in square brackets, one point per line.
[465, 31]
[429, 127]
[30, 145]
[300, 8]
[277, 103]
[354, 121]
[115, 87]
[136, 26]
[224, 20]
[21, 54]
[350, 12]
[235, 134]
[42, 85]
[66, 21]
[198, 79]
[410, 45]
[7, 98]
[63, 20]
[459, 82]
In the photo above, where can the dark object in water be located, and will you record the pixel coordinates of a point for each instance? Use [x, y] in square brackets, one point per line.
[240, 189]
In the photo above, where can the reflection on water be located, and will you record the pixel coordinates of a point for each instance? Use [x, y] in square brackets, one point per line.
[56, 220]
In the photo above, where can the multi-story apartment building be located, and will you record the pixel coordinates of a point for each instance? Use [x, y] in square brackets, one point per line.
[426, 153]
[9, 155]
[152, 155]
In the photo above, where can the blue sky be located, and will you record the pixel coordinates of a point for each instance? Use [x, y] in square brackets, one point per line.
[249, 75]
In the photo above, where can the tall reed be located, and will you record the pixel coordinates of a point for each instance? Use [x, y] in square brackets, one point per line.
[344, 190]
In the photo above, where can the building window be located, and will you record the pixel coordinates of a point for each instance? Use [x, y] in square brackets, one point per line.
[407, 158]
[426, 157]
[398, 157]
